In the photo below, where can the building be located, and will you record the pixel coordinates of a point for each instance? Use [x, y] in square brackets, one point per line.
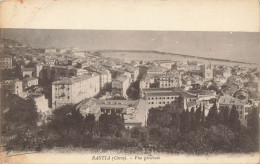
[105, 78]
[14, 86]
[223, 71]
[241, 107]
[134, 112]
[80, 72]
[50, 50]
[169, 81]
[75, 89]
[156, 70]
[161, 96]
[220, 80]
[165, 63]
[134, 71]
[105, 75]
[6, 62]
[27, 72]
[120, 86]
[207, 71]
[58, 72]
[38, 70]
[30, 81]
[145, 82]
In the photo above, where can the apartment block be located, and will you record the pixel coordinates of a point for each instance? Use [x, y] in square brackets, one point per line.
[75, 89]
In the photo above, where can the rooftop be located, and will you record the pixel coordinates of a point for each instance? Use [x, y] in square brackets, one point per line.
[75, 79]
[227, 99]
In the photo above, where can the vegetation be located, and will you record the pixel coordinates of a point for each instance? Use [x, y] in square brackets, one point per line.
[169, 129]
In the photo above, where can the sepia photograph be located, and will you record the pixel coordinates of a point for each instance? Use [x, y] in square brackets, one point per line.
[128, 95]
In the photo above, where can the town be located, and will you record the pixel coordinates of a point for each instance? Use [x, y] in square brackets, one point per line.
[130, 88]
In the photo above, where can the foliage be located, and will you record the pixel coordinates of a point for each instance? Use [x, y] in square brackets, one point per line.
[133, 92]
[111, 125]
[169, 129]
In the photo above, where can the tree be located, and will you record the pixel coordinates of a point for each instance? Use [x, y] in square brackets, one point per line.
[198, 116]
[221, 116]
[234, 118]
[159, 118]
[192, 119]
[203, 116]
[111, 125]
[185, 121]
[21, 114]
[133, 92]
[176, 121]
[253, 123]
[89, 123]
[212, 117]
[141, 134]
[66, 124]
[226, 111]
[19, 122]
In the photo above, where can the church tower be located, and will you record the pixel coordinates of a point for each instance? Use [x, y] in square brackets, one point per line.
[208, 71]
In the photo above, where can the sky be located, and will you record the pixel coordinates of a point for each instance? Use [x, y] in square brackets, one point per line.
[239, 46]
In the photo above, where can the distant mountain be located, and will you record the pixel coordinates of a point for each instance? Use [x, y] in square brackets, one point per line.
[13, 43]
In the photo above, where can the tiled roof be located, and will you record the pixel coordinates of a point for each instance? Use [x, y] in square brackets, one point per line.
[168, 92]
[227, 99]
[67, 80]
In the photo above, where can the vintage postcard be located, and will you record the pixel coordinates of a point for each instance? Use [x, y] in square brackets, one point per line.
[129, 81]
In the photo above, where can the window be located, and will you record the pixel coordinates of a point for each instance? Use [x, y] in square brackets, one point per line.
[68, 97]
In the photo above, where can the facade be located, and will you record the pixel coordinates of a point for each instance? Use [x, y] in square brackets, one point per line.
[120, 86]
[75, 89]
[6, 62]
[169, 81]
[134, 112]
[27, 72]
[241, 107]
[30, 81]
[105, 75]
[161, 96]
[145, 82]
[14, 86]
[207, 70]
[105, 78]
[134, 73]
[38, 70]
